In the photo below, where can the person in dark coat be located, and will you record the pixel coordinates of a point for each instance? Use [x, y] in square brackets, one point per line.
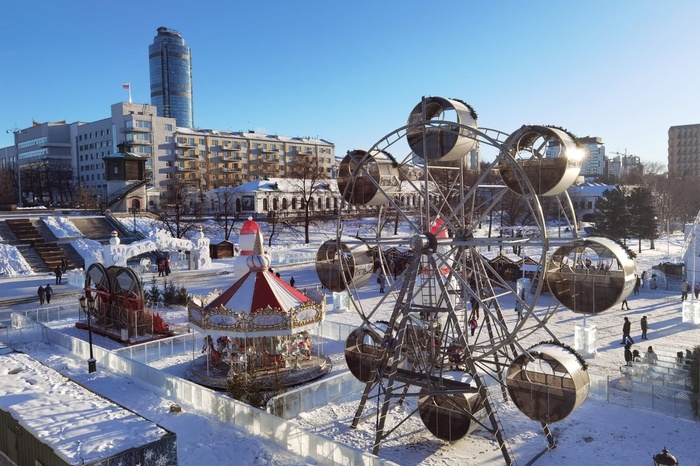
[57, 271]
[48, 291]
[42, 294]
[626, 328]
[475, 307]
[381, 279]
[628, 354]
[291, 281]
[645, 326]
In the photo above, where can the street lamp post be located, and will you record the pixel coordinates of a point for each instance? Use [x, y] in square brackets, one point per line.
[15, 132]
[135, 210]
[89, 309]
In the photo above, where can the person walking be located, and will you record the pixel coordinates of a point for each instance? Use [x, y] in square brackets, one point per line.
[696, 290]
[685, 288]
[58, 273]
[473, 324]
[48, 291]
[42, 294]
[381, 279]
[475, 307]
[644, 278]
[624, 303]
[292, 281]
[644, 324]
[161, 267]
[626, 327]
[637, 284]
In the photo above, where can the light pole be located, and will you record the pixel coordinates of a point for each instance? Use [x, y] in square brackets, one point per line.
[135, 210]
[16, 131]
[89, 310]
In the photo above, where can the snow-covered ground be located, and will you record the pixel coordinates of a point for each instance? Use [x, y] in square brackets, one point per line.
[596, 432]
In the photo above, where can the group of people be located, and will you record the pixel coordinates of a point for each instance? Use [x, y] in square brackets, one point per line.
[45, 293]
[631, 355]
[627, 330]
[163, 266]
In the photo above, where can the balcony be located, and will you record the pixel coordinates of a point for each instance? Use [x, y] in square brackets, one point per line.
[139, 142]
[136, 129]
[185, 144]
[187, 168]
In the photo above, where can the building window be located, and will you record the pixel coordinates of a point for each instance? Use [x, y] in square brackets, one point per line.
[168, 127]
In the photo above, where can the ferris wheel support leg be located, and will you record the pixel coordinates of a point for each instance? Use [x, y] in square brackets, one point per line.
[496, 429]
[361, 407]
[550, 437]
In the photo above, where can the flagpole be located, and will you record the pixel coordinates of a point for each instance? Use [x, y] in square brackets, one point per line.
[129, 92]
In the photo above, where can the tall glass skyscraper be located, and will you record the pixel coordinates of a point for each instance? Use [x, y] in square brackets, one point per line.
[170, 63]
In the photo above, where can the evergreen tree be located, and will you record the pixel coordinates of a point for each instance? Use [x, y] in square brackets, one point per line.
[642, 215]
[611, 214]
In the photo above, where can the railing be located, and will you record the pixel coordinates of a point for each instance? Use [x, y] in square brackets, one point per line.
[202, 400]
[163, 348]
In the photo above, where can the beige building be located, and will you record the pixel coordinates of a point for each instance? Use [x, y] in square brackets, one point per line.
[684, 150]
[213, 159]
[205, 159]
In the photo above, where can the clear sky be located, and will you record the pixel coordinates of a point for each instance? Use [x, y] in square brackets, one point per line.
[351, 71]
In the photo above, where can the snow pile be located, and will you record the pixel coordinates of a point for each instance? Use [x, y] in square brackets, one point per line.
[89, 249]
[12, 263]
[62, 227]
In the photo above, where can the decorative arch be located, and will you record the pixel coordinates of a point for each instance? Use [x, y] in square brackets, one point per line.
[116, 253]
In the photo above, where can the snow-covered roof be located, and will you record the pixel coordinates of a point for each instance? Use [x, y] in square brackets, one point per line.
[285, 185]
[80, 426]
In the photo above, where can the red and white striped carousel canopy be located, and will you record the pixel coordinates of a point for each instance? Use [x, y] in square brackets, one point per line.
[258, 290]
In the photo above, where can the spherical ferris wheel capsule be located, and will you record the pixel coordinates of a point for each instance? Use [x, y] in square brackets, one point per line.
[368, 178]
[441, 142]
[549, 157]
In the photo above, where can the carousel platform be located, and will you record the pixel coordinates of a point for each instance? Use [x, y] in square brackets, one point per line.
[294, 371]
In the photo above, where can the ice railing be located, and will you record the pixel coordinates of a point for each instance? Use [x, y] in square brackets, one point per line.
[629, 393]
[198, 398]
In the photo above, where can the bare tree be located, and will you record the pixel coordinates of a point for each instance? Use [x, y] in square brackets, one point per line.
[176, 209]
[226, 213]
[307, 177]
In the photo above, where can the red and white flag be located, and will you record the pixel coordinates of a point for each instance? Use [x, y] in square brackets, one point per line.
[126, 86]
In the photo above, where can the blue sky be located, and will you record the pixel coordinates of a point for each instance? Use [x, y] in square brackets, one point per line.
[350, 72]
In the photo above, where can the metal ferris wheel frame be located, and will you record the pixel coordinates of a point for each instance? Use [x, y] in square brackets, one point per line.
[411, 340]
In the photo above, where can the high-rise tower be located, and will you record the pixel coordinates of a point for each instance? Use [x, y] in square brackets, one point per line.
[170, 63]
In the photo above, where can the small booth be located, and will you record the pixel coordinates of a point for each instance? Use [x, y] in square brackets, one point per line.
[221, 250]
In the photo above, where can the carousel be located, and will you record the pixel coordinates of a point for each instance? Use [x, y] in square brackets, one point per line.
[260, 326]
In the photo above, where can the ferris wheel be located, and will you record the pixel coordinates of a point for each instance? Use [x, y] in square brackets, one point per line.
[442, 273]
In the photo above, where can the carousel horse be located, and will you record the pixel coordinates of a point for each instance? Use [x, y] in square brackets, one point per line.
[223, 347]
[213, 353]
